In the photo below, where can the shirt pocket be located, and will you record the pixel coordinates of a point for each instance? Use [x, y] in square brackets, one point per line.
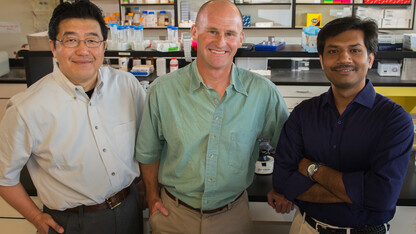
[241, 149]
[125, 137]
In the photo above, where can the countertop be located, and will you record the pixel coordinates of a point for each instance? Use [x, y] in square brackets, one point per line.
[279, 76]
[317, 77]
[262, 184]
[16, 75]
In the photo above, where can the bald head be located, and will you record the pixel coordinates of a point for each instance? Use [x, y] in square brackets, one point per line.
[214, 6]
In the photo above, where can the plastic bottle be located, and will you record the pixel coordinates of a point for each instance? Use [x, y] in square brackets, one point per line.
[160, 66]
[151, 20]
[117, 18]
[138, 34]
[129, 18]
[120, 34]
[161, 18]
[144, 15]
[130, 33]
[136, 17]
[169, 29]
[173, 65]
[113, 32]
[175, 36]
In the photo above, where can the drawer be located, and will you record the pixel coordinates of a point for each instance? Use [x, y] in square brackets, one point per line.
[8, 90]
[301, 91]
[6, 211]
[16, 226]
[292, 102]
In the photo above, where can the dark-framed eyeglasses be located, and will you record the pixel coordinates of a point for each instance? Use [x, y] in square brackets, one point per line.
[74, 42]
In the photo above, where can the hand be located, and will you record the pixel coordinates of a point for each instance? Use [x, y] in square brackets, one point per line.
[279, 203]
[156, 204]
[43, 221]
[303, 166]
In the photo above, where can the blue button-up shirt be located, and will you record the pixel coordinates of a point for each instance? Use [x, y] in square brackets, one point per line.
[370, 143]
[208, 146]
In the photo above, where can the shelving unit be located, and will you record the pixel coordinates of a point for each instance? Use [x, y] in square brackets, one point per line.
[285, 14]
[331, 11]
[170, 9]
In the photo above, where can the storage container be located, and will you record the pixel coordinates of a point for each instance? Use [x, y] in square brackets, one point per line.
[4, 63]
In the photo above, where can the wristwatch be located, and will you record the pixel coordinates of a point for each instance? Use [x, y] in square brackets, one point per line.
[312, 169]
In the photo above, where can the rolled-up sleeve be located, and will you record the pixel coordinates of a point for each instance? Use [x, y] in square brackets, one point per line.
[149, 143]
[379, 188]
[286, 179]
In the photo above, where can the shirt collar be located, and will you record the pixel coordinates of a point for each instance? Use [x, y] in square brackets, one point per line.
[69, 87]
[197, 81]
[365, 97]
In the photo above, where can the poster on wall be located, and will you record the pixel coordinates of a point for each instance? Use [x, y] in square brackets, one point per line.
[10, 27]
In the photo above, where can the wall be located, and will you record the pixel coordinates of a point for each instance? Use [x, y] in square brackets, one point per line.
[21, 11]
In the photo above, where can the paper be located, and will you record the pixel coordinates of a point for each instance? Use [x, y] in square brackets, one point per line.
[10, 27]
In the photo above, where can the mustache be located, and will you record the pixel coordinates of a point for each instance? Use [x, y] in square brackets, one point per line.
[343, 66]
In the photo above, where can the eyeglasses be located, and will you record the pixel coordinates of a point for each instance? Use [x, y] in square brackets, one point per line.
[73, 42]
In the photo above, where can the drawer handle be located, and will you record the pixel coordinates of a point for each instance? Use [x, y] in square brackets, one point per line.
[302, 91]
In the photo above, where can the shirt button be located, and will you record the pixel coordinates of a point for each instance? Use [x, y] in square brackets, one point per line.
[113, 173]
[213, 137]
[211, 155]
[90, 104]
[96, 127]
[216, 117]
[75, 98]
[334, 146]
[210, 180]
[206, 201]
[104, 150]
[339, 122]
[215, 99]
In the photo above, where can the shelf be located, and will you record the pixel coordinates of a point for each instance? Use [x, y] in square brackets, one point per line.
[289, 51]
[147, 4]
[384, 4]
[259, 4]
[274, 27]
[324, 4]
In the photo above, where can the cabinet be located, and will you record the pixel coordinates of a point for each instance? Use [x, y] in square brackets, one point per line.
[6, 92]
[294, 94]
[12, 221]
[287, 14]
[132, 7]
[387, 16]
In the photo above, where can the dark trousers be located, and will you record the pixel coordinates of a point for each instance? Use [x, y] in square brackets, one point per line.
[127, 218]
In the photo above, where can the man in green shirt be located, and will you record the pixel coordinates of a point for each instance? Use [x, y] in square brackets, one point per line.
[200, 130]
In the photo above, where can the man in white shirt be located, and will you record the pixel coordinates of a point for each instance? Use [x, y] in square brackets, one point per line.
[75, 130]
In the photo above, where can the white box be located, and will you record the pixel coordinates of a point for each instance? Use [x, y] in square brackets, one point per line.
[396, 13]
[386, 68]
[4, 63]
[38, 41]
[409, 41]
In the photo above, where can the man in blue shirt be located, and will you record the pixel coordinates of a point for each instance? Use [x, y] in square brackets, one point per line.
[342, 156]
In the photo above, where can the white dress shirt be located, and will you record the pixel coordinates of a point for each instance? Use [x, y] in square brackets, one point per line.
[77, 150]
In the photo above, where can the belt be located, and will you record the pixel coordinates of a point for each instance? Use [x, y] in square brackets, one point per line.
[197, 209]
[378, 229]
[110, 202]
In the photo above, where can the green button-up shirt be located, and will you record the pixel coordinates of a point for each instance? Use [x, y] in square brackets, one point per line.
[208, 146]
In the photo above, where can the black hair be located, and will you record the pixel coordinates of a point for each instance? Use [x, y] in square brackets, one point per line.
[83, 9]
[340, 25]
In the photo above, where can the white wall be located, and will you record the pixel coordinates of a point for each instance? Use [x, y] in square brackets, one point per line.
[21, 12]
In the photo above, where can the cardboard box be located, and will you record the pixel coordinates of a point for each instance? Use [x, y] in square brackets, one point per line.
[38, 41]
[313, 19]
